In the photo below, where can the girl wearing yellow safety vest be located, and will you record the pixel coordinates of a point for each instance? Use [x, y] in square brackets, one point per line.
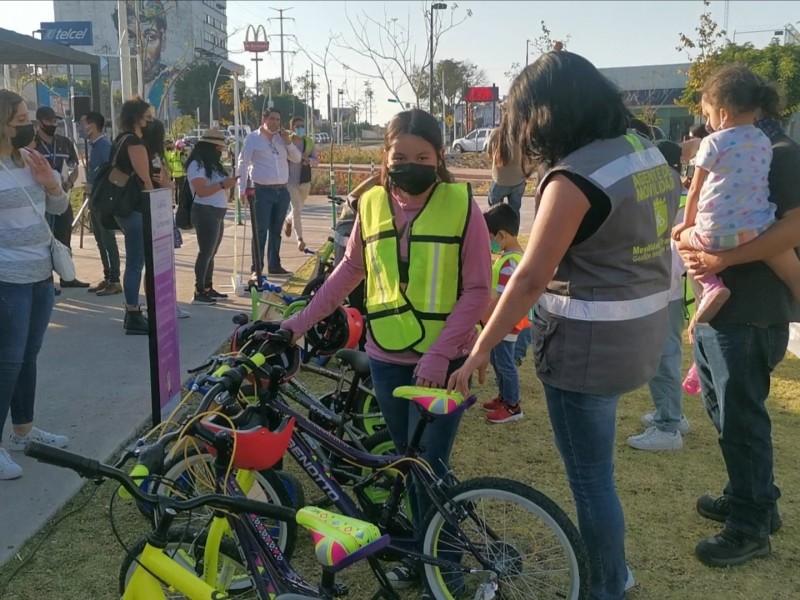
[420, 243]
[597, 265]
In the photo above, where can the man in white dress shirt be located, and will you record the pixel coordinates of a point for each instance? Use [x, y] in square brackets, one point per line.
[264, 160]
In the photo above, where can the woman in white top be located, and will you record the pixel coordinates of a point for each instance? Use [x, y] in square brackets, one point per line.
[28, 188]
[208, 182]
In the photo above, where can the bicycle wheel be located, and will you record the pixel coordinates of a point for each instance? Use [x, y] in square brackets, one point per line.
[179, 480]
[520, 535]
[367, 404]
[187, 548]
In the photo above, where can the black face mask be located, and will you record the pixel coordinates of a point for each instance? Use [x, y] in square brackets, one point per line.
[49, 130]
[24, 135]
[412, 178]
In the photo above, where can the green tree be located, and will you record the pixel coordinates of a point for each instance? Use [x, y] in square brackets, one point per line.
[457, 74]
[701, 52]
[182, 125]
[191, 90]
[275, 84]
[776, 63]
[544, 42]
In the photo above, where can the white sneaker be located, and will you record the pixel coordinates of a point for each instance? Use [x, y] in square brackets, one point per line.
[17, 442]
[183, 314]
[649, 420]
[655, 439]
[8, 468]
[630, 582]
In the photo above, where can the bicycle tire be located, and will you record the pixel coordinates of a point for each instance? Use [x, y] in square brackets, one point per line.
[271, 489]
[230, 563]
[507, 554]
[312, 286]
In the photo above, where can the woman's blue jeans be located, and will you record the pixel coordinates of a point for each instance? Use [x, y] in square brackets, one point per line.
[25, 310]
[401, 418]
[584, 427]
[133, 228]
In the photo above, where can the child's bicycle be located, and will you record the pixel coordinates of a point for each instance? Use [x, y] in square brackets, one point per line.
[478, 536]
[200, 566]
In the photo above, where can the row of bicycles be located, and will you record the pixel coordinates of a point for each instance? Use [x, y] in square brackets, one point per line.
[226, 514]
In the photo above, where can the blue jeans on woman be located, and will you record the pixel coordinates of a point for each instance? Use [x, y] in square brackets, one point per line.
[401, 418]
[270, 205]
[584, 430]
[133, 228]
[25, 310]
[665, 386]
[734, 363]
[514, 193]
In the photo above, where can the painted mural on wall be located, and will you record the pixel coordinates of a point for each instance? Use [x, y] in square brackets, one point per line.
[148, 25]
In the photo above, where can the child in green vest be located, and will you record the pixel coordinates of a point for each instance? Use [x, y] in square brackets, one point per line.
[502, 221]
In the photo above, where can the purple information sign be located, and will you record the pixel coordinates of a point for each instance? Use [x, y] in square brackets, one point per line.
[165, 368]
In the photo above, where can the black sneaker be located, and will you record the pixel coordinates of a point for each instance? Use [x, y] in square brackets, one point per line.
[731, 547]
[404, 575]
[212, 293]
[201, 298]
[718, 509]
[278, 271]
[135, 323]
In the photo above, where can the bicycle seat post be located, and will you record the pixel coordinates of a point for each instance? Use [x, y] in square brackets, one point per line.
[414, 443]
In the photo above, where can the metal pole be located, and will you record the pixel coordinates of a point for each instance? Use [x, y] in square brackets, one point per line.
[7, 76]
[237, 122]
[430, 100]
[444, 114]
[313, 112]
[527, 49]
[124, 50]
[282, 76]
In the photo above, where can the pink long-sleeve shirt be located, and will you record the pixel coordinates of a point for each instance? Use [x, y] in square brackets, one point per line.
[459, 333]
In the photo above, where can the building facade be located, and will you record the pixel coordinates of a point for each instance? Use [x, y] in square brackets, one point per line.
[652, 90]
[166, 37]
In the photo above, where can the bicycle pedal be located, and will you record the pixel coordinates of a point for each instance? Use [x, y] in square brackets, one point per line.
[339, 590]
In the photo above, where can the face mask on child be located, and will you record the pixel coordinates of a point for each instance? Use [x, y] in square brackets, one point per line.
[495, 247]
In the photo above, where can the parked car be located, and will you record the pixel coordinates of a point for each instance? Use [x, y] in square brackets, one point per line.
[474, 141]
[322, 138]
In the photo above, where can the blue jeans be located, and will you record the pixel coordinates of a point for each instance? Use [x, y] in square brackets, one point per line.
[584, 430]
[734, 363]
[523, 343]
[107, 246]
[401, 418]
[133, 228]
[270, 207]
[498, 193]
[505, 370]
[25, 310]
[665, 386]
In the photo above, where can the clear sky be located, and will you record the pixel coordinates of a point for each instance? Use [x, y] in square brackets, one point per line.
[610, 34]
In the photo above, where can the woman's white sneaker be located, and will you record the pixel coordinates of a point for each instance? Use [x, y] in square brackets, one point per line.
[17, 442]
[8, 468]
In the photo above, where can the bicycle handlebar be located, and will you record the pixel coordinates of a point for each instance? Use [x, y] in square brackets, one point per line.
[94, 469]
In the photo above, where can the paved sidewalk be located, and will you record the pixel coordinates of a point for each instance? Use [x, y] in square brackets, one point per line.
[93, 381]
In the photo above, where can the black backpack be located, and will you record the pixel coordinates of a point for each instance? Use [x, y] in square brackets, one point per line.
[183, 216]
[114, 192]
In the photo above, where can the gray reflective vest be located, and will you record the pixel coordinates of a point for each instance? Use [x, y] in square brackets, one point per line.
[601, 325]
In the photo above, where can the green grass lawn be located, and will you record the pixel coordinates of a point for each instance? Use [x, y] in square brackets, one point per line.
[80, 559]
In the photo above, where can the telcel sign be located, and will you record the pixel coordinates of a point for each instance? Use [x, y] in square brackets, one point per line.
[69, 33]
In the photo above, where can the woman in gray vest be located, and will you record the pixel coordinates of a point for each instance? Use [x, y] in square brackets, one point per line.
[598, 268]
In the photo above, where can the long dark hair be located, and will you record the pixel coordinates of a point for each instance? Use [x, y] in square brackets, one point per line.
[737, 89]
[422, 124]
[207, 156]
[153, 138]
[559, 104]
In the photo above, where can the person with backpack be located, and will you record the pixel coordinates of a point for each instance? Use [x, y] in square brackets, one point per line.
[299, 180]
[208, 184]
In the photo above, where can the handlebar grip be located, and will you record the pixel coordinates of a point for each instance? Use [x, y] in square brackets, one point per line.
[83, 465]
[309, 251]
[262, 509]
[139, 473]
[241, 319]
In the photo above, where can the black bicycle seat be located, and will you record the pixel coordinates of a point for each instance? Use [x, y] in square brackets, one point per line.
[356, 360]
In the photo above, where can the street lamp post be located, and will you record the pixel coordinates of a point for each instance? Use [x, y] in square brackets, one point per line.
[434, 6]
[527, 51]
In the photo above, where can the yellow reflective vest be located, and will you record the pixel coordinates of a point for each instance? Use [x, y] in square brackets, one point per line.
[174, 163]
[407, 303]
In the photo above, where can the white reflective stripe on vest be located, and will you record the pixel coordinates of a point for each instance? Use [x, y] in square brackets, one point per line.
[612, 310]
[627, 165]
